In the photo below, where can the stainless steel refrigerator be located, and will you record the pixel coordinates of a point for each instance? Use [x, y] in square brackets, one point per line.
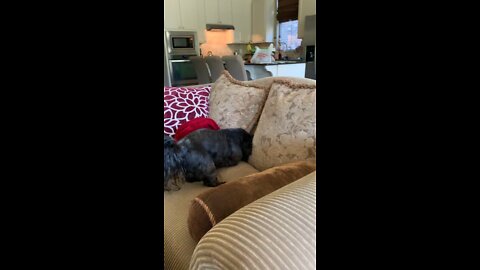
[310, 44]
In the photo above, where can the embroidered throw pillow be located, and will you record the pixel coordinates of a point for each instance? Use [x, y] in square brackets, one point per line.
[236, 104]
[286, 129]
[182, 104]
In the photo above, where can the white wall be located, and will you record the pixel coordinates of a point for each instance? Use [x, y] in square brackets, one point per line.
[305, 8]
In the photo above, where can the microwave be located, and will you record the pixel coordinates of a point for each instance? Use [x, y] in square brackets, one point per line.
[181, 43]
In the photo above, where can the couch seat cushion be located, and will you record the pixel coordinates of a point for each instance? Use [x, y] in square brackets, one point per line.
[232, 173]
[178, 244]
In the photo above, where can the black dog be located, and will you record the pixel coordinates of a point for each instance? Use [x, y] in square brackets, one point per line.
[197, 156]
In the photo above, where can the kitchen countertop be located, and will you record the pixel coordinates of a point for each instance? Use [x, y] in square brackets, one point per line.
[277, 63]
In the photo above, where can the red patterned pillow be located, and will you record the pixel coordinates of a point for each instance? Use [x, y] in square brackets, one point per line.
[182, 104]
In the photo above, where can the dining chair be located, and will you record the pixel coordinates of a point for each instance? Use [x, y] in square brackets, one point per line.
[236, 68]
[215, 65]
[201, 69]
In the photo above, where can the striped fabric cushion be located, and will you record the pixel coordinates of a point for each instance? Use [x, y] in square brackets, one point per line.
[277, 231]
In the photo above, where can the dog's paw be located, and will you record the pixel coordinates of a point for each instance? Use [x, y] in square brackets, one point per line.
[216, 184]
[213, 183]
[171, 188]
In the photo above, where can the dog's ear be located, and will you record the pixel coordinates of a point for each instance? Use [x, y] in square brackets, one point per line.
[247, 136]
[246, 145]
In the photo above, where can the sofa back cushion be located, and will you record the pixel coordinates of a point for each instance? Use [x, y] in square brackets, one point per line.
[286, 129]
[237, 104]
[182, 104]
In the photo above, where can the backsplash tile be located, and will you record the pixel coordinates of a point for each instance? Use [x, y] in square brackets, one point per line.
[216, 42]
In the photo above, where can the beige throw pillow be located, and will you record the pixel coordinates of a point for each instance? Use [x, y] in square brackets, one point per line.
[286, 129]
[236, 104]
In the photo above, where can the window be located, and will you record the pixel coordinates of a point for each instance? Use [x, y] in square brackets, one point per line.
[288, 35]
[287, 17]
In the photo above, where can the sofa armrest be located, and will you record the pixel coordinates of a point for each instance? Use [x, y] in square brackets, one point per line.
[277, 231]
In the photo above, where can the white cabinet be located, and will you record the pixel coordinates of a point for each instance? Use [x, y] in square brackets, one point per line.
[305, 8]
[218, 11]
[211, 11]
[225, 11]
[181, 14]
[291, 70]
[242, 20]
[188, 14]
[195, 14]
[287, 70]
[201, 22]
[263, 20]
[171, 14]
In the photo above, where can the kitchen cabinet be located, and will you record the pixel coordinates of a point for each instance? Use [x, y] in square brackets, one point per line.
[291, 70]
[225, 12]
[181, 15]
[188, 14]
[171, 14]
[218, 11]
[305, 8]
[211, 11]
[276, 70]
[263, 20]
[201, 22]
[242, 20]
[195, 14]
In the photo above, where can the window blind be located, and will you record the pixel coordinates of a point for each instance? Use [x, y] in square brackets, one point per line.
[287, 10]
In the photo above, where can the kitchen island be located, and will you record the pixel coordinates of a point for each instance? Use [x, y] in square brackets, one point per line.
[276, 69]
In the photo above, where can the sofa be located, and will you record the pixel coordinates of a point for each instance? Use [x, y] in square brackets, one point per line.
[276, 230]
